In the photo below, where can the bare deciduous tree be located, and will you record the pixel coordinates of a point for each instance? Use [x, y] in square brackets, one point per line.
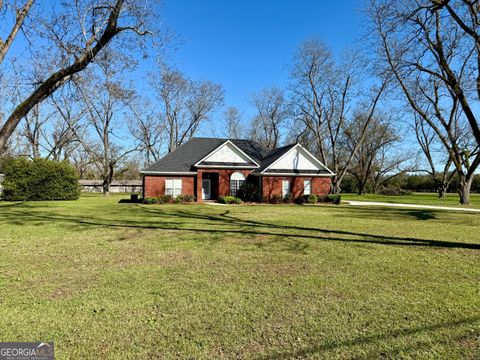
[19, 13]
[436, 65]
[186, 104]
[76, 32]
[323, 101]
[51, 129]
[104, 99]
[233, 123]
[65, 133]
[272, 112]
[428, 141]
[32, 131]
[376, 161]
[147, 129]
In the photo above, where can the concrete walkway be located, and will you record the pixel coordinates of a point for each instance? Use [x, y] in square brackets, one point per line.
[414, 206]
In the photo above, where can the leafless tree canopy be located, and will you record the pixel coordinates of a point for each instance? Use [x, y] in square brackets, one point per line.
[272, 113]
[147, 129]
[185, 104]
[104, 96]
[436, 65]
[435, 155]
[233, 123]
[377, 160]
[325, 93]
[76, 32]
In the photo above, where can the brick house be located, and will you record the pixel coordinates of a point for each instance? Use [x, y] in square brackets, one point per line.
[209, 168]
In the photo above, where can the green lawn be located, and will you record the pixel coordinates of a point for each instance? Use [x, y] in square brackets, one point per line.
[417, 198]
[124, 281]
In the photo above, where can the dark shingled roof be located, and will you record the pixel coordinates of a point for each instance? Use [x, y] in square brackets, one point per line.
[295, 172]
[272, 156]
[186, 155]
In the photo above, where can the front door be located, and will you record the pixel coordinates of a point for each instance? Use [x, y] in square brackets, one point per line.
[206, 189]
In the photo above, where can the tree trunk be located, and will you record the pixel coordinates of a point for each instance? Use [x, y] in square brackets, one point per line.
[335, 187]
[106, 188]
[464, 189]
[361, 185]
[107, 180]
[441, 191]
[361, 189]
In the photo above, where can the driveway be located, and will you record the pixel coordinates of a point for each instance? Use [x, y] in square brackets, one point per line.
[414, 206]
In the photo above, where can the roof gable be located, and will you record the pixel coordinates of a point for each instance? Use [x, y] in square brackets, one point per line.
[296, 160]
[183, 159]
[224, 153]
[227, 154]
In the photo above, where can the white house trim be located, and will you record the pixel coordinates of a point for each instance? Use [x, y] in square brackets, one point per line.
[312, 158]
[297, 174]
[173, 173]
[226, 166]
[228, 142]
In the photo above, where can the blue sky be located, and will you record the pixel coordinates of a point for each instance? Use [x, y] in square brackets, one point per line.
[247, 45]
[244, 45]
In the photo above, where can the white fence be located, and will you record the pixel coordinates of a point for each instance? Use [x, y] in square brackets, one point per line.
[121, 186]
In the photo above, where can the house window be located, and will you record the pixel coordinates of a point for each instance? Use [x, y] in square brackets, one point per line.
[236, 180]
[173, 187]
[285, 187]
[307, 187]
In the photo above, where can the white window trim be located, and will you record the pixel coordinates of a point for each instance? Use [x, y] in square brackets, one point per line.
[309, 182]
[283, 188]
[170, 173]
[296, 174]
[175, 185]
[236, 183]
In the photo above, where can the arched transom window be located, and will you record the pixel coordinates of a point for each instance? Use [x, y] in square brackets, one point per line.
[236, 180]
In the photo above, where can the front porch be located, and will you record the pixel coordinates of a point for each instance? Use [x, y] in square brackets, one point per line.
[209, 188]
[214, 183]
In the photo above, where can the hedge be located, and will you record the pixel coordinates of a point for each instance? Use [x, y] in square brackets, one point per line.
[229, 200]
[38, 179]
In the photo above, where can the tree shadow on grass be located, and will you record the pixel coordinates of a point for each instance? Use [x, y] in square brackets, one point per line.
[183, 220]
[228, 218]
[364, 340]
[422, 214]
[9, 204]
[380, 213]
[392, 213]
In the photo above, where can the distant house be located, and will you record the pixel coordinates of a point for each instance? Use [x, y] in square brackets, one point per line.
[117, 186]
[209, 168]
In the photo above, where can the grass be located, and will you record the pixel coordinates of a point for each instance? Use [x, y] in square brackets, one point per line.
[112, 280]
[450, 200]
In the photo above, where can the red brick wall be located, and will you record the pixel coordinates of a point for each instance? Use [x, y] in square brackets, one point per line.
[272, 185]
[155, 185]
[223, 180]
